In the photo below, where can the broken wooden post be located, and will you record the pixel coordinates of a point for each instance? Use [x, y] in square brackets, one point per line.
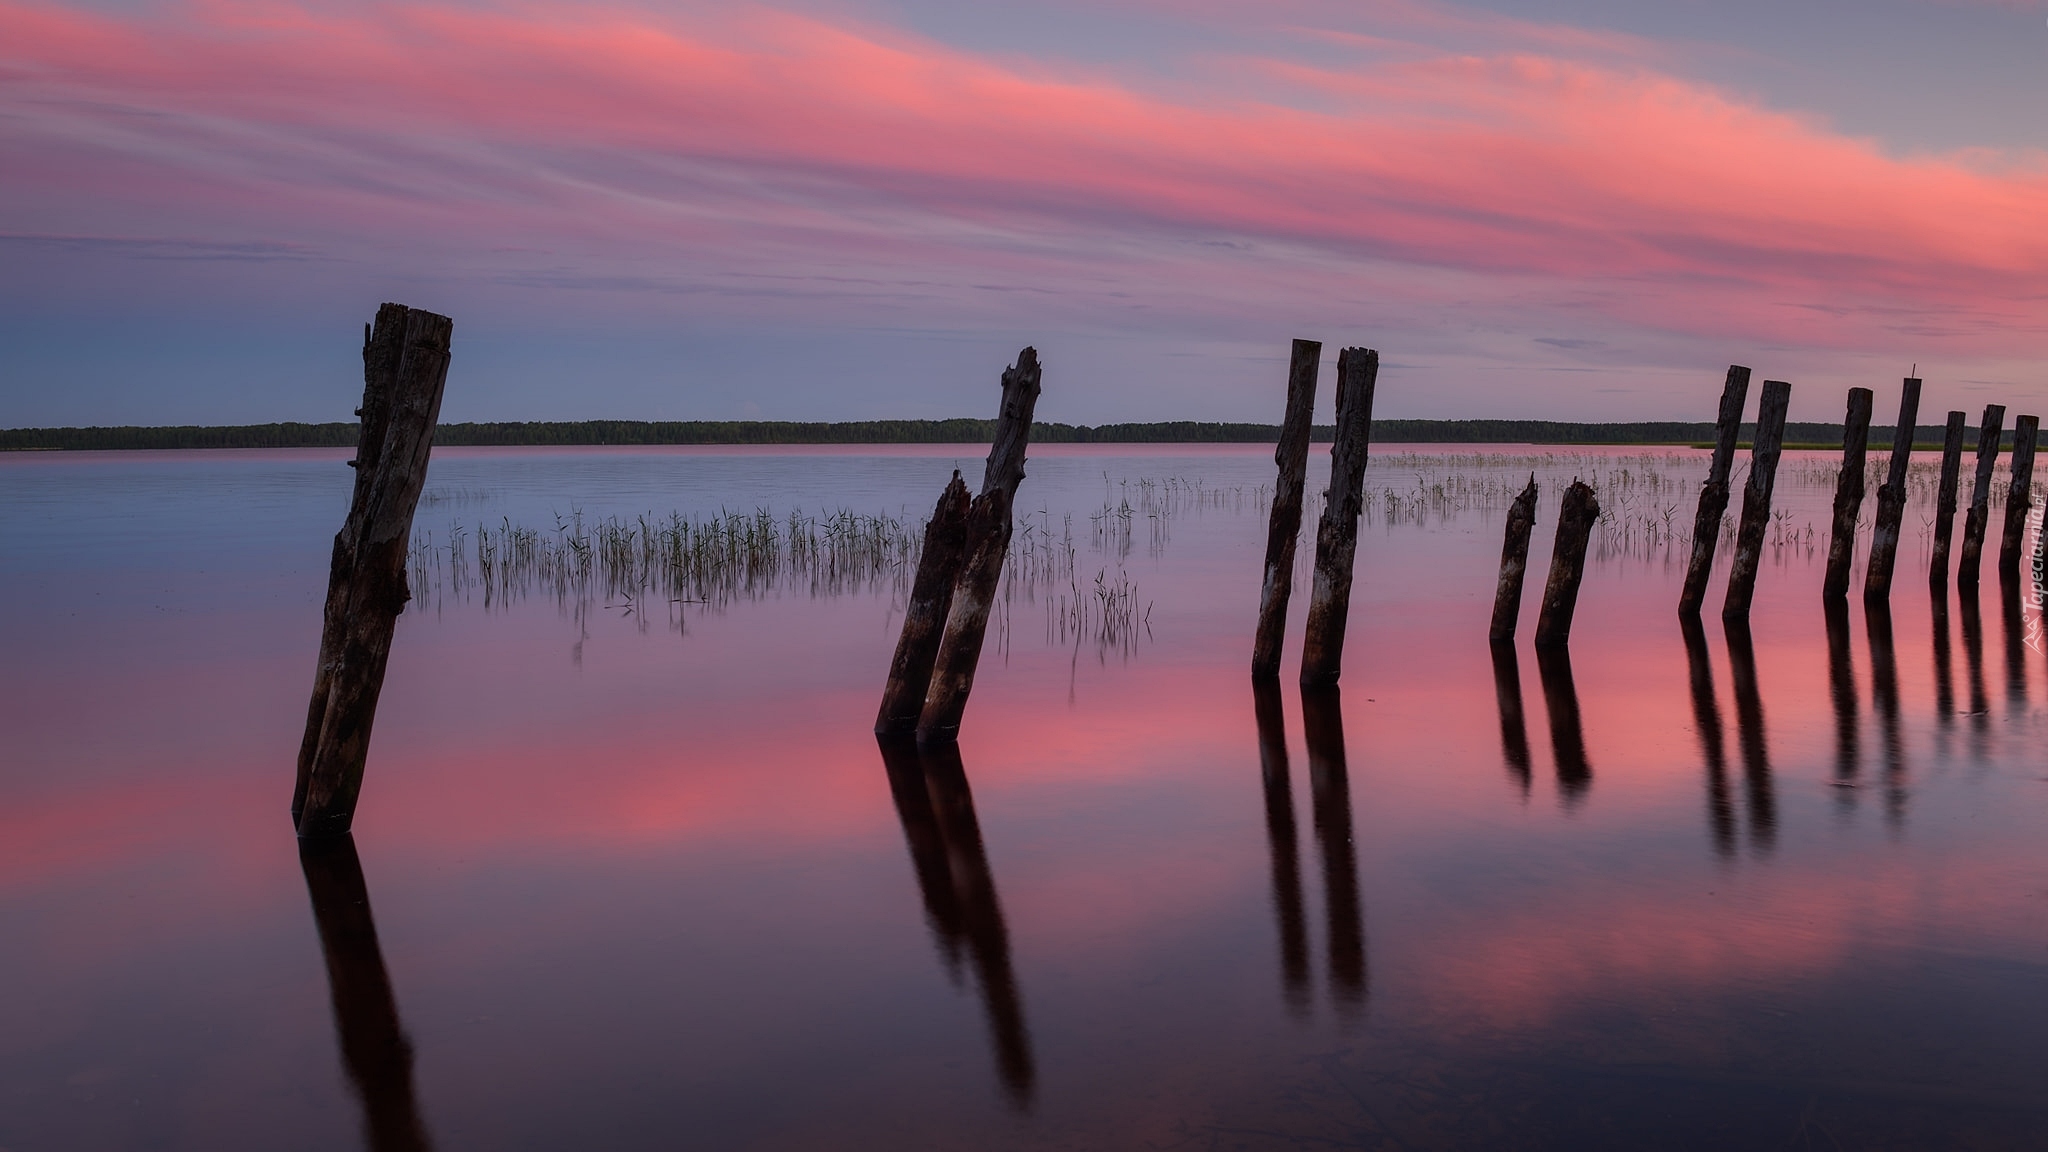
[1945, 500]
[1706, 523]
[1329, 601]
[1514, 564]
[405, 365]
[1891, 499]
[981, 567]
[1285, 524]
[924, 619]
[1848, 494]
[1756, 498]
[1575, 517]
[1989, 432]
[2019, 498]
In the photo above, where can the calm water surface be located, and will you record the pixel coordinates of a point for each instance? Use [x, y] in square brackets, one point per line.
[629, 874]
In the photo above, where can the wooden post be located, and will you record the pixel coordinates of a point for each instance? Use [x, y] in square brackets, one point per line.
[1989, 432]
[1756, 499]
[1891, 499]
[1514, 564]
[1285, 525]
[2019, 498]
[1575, 517]
[1322, 720]
[1706, 523]
[405, 365]
[1848, 494]
[1329, 602]
[1282, 844]
[1567, 736]
[924, 619]
[987, 543]
[1945, 501]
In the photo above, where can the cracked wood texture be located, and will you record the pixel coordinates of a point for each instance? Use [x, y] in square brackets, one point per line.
[1978, 519]
[1891, 498]
[1706, 523]
[1329, 601]
[1848, 494]
[924, 620]
[2019, 498]
[1756, 499]
[1514, 563]
[1945, 500]
[1575, 517]
[1285, 524]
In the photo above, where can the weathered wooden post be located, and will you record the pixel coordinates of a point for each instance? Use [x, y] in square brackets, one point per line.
[1575, 517]
[2019, 498]
[1756, 499]
[1989, 432]
[1282, 844]
[981, 567]
[1706, 523]
[1329, 602]
[405, 365]
[1891, 499]
[1848, 494]
[1945, 500]
[1285, 525]
[924, 619]
[1514, 564]
[1322, 720]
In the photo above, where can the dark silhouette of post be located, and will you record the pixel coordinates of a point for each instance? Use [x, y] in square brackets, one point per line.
[1891, 498]
[1329, 777]
[1514, 727]
[981, 566]
[1575, 517]
[1706, 523]
[1848, 495]
[1944, 671]
[1842, 691]
[1749, 720]
[1567, 736]
[405, 366]
[1973, 668]
[924, 618]
[1285, 527]
[1884, 699]
[2015, 645]
[2019, 498]
[1756, 499]
[1282, 845]
[1329, 601]
[1945, 499]
[1514, 563]
[1706, 716]
[1989, 432]
[375, 1050]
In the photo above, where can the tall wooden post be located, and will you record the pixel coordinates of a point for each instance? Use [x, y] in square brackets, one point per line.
[2019, 498]
[1848, 494]
[1989, 432]
[1891, 499]
[1706, 523]
[405, 365]
[1514, 563]
[1756, 499]
[1945, 500]
[1329, 603]
[924, 619]
[981, 567]
[1575, 517]
[1285, 526]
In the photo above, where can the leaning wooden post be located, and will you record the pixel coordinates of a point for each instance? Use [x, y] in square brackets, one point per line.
[1285, 526]
[1989, 432]
[924, 620]
[1329, 602]
[1945, 501]
[405, 365]
[1891, 499]
[1514, 564]
[1706, 523]
[981, 566]
[1575, 517]
[2019, 498]
[1848, 494]
[1756, 499]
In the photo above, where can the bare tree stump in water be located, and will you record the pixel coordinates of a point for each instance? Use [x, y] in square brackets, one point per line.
[1514, 564]
[1285, 526]
[1891, 499]
[924, 619]
[1756, 499]
[2019, 498]
[1706, 523]
[987, 543]
[1945, 500]
[1978, 519]
[1575, 517]
[405, 365]
[1848, 494]
[1329, 602]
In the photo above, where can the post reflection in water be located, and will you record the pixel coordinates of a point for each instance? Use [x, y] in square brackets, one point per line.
[1706, 716]
[929, 786]
[1842, 691]
[1973, 665]
[1884, 695]
[1329, 778]
[2015, 643]
[1514, 729]
[1944, 674]
[1756, 753]
[1282, 845]
[374, 1047]
[1567, 738]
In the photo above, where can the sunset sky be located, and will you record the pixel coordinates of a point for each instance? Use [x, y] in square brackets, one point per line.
[848, 209]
